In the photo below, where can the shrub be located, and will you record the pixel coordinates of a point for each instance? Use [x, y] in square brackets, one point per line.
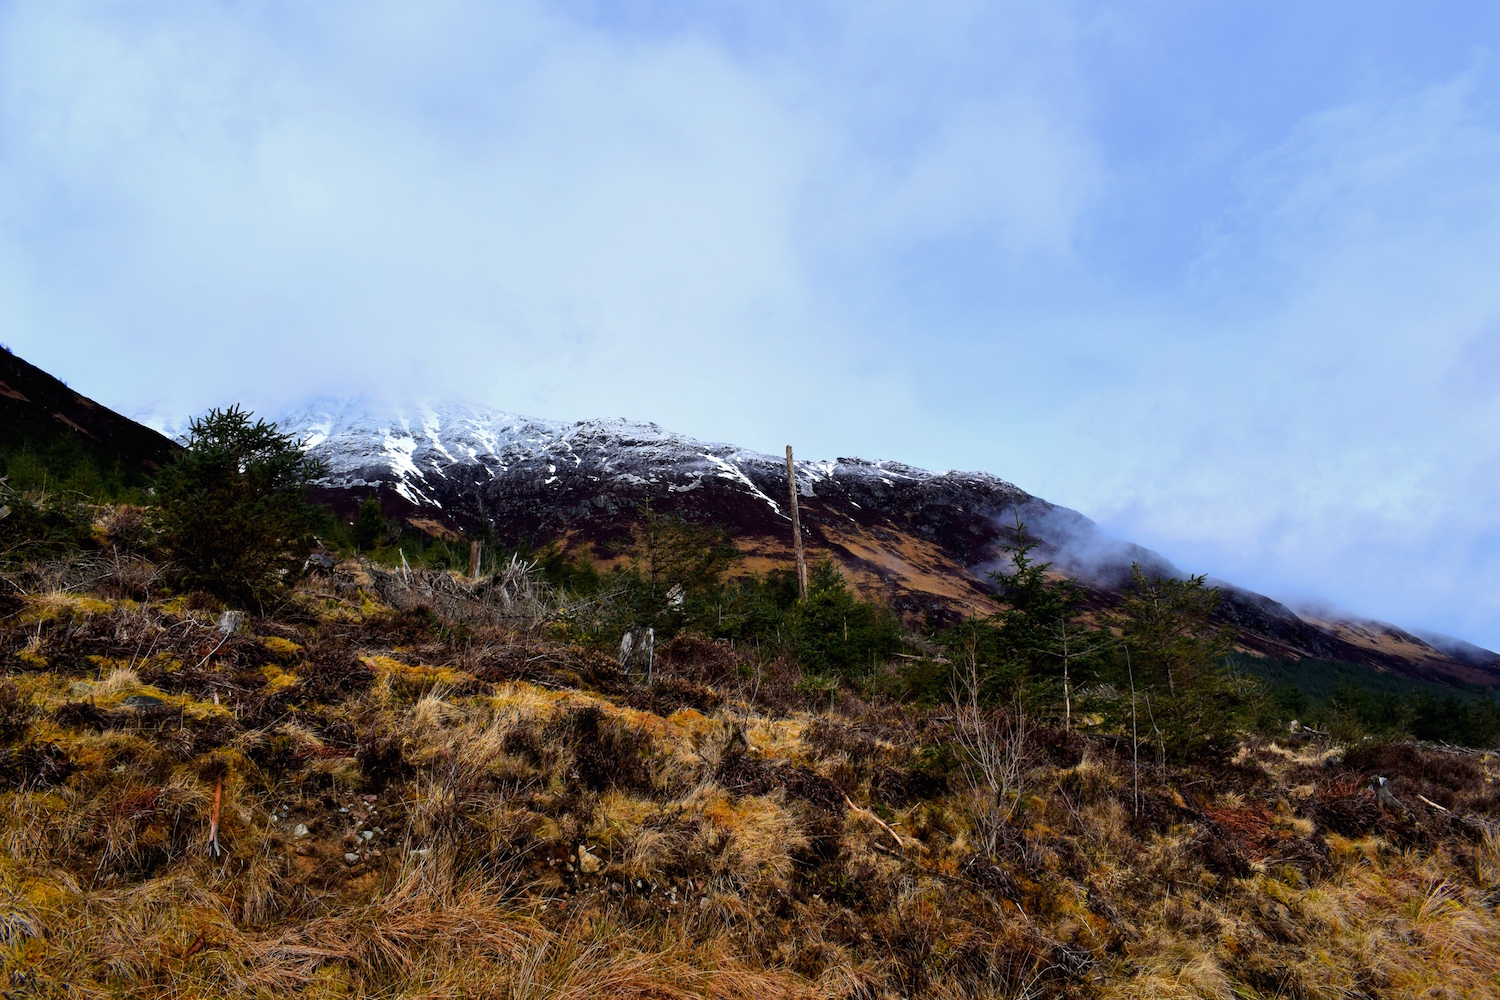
[233, 508]
[370, 525]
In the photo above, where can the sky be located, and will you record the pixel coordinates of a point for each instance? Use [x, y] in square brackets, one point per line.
[1224, 277]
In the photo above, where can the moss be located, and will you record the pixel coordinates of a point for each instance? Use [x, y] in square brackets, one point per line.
[285, 649]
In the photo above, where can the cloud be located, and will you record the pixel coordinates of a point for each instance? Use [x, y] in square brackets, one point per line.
[500, 201]
[1251, 327]
[1331, 433]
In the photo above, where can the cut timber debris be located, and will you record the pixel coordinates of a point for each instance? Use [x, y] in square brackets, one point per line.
[883, 824]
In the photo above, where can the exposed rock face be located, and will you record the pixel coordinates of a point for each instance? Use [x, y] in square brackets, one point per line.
[924, 541]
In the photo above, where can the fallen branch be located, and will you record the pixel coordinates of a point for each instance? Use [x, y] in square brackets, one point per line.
[883, 824]
[213, 822]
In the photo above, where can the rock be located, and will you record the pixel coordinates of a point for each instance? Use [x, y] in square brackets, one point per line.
[320, 561]
[142, 701]
[368, 835]
[229, 621]
[300, 831]
[587, 863]
[351, 858]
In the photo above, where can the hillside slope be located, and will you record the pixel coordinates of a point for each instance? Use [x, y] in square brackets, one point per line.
[41, 414]
[401, 786]
[922, 541]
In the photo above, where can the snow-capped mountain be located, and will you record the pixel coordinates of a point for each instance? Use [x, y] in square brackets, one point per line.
[925, 541]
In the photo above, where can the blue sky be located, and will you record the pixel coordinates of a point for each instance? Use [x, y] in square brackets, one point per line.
[1225, 277]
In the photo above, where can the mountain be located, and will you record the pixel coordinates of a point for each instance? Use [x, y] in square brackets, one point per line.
[40, 415]
[923, 541]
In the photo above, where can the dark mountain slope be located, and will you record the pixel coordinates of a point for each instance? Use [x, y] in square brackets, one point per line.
[923, 541]
[61, 430]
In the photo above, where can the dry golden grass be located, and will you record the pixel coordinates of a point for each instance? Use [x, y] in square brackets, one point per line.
[400, 830]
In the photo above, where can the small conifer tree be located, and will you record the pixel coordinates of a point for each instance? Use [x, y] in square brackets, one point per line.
[233, 508]
[370, 525]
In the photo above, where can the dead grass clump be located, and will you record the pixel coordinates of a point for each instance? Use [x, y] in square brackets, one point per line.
[825, 738]
[35, 765]
[1451, 780]
[692, 658]
[744, 773]
[17, 709]
[671, 694]
[407, 626]
[1345, 806]
[606, 752]
[332, 672]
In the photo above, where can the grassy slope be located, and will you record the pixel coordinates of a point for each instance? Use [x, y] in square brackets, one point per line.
[481, 751]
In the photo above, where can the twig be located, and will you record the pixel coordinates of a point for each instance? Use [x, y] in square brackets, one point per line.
[1441, 809]
[883, 825]
[211, 652]
[213, 822]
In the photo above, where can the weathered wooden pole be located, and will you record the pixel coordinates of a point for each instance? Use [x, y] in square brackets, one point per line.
[474, 549]
[791, 480]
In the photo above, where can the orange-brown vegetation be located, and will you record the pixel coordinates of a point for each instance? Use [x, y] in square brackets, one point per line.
[429, 791]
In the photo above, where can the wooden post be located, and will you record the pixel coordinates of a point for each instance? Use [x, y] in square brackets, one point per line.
[474, 548]
[791, 479]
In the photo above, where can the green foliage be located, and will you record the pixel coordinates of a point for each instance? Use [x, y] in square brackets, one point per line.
[1354, 701]
[573, 573]
[370, 526]
[41, 524]
[835, 633]
[1193, 706]
[671, 552]
[1039, 648]
[233, 508]
[67, 467]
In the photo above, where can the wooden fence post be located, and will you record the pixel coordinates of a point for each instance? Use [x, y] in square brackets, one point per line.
[791, 479]
[474, 548]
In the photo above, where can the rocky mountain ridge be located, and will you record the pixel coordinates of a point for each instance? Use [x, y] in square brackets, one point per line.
[924, 541]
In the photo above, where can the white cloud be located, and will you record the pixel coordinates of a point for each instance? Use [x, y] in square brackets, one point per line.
[1330, 433]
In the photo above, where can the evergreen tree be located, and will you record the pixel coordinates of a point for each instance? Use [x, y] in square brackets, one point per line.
[834, 633]
[1176, 657]
[370, 526]
[233, 507]
[1041, 635]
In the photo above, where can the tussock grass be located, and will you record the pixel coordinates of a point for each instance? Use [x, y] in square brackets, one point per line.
[424, 798]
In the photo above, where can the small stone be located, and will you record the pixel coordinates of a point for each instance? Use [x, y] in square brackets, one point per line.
[587, 863]
[368, 835]
[343, 809]
[351, 858]
[703, 903]
[300, 831]
[140, 701]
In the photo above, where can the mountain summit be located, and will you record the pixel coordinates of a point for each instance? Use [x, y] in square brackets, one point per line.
[923, 541]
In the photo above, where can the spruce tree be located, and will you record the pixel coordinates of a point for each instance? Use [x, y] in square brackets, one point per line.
[233, 508]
